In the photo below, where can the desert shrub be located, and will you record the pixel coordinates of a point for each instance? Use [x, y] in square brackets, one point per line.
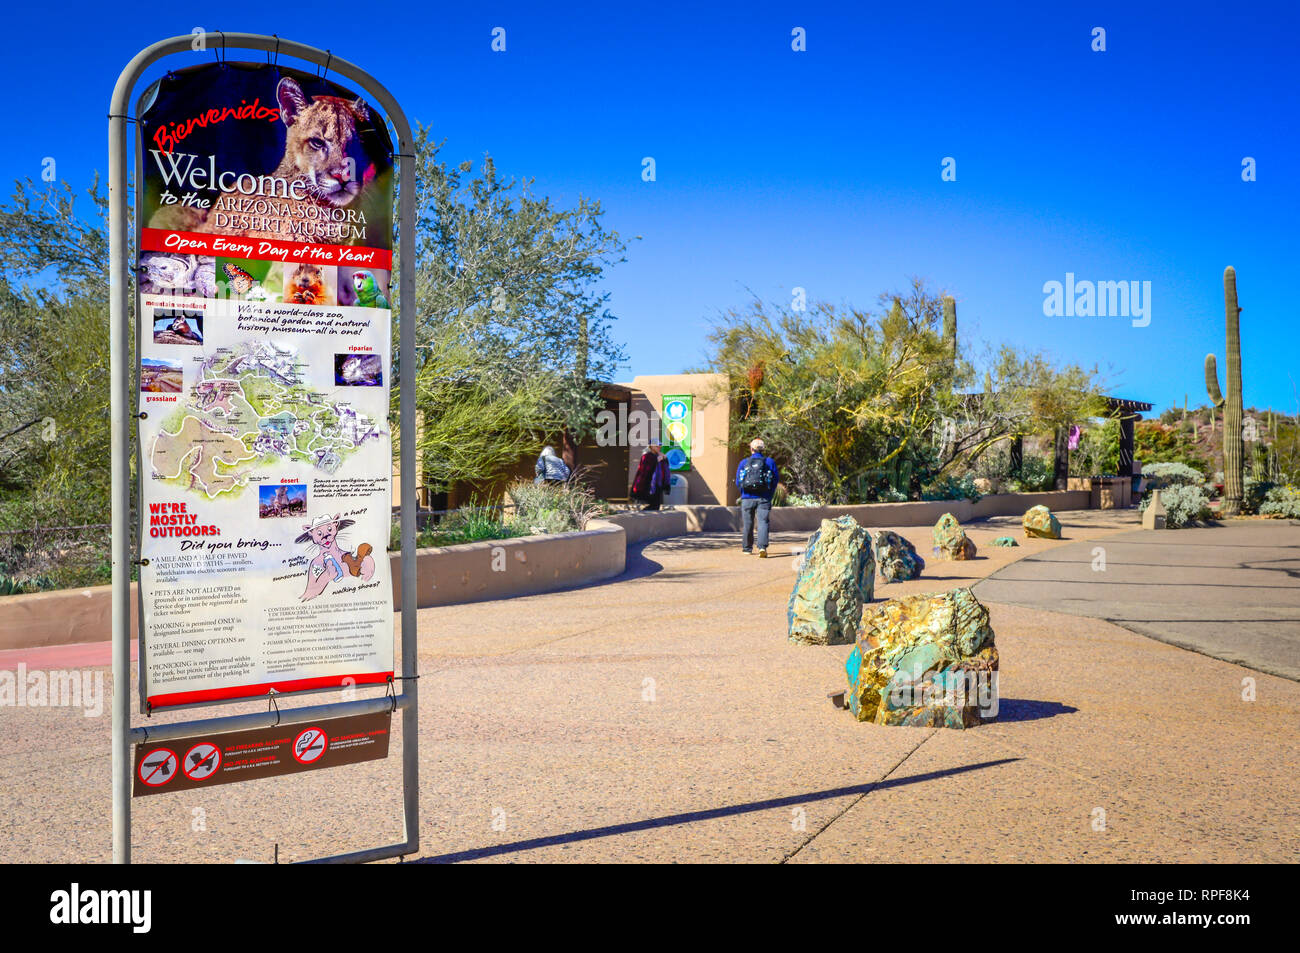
[550, 507]
[783, 497]
[1036, 475]
[1281, 501]
[1183, 504]
[10, 586]
[1255, 494]
[469, 524]
[1163, 475]
[952, 488]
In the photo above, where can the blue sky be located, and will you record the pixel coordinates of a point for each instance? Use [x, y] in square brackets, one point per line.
[821, 169]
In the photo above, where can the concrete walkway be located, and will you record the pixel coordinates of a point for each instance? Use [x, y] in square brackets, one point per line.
[664, 717]
[1230, 591]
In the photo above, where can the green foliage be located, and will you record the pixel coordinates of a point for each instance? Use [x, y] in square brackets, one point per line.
[551, 507]
[836, 393]
[952, 488]
[512, 332]
[9, 586]
[1161, 475]
[1184, 503]
[469, 524]
[54, 422]
[1255, 494]
[1036, 476]
[1282, 501]
[1155, 442]
[530, 509]
[1098, 450]
[783, 497]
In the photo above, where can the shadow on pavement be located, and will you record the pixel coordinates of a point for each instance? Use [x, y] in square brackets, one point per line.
[1024, 709]
[690, 817]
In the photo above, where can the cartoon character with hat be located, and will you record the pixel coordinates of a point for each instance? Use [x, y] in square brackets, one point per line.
[331, 563]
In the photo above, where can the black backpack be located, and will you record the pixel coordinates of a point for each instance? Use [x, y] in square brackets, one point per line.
[756, 477]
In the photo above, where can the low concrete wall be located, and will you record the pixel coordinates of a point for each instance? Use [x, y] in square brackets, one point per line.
[532, 564]
[660, 524]
[64, 617]
[805, 519]
[523, 566]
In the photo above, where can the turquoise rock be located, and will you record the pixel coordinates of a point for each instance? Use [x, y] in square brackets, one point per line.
[896, 558]
[837, 577]
[1004, 541]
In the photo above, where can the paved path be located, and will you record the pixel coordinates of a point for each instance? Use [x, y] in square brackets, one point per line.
[1230, 591]
[664, 717]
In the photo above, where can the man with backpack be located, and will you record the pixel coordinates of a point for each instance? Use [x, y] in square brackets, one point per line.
[756, 478]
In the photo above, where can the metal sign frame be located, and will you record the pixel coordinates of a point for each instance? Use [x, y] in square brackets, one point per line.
[123, 417]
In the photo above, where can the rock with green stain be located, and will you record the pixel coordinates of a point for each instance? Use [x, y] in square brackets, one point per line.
[1004, 541]
[927, 660]
[950, 540]
[1040, 522]
[837, 577]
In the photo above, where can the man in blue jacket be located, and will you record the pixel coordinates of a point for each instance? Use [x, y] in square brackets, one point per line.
[756, 478]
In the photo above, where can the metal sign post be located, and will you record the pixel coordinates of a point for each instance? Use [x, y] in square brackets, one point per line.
[123, 413]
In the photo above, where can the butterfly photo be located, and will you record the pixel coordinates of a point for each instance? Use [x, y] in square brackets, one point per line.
[247, 280]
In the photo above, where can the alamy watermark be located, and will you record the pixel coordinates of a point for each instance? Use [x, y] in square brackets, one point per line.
[1101, 299]
[37, 688]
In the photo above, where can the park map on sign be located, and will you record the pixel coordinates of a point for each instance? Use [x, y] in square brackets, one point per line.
[250, 407]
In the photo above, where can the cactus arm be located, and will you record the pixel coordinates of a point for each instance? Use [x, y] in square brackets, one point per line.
[1212, 381]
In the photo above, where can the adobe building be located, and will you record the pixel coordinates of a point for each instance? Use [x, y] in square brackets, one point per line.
[635, 415]
[710, 476]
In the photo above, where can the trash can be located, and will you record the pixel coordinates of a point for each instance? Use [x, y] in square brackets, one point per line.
[676, 490]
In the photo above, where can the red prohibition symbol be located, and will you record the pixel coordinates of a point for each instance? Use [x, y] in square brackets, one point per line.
[158, 767]
[309, 746]
[201, 761]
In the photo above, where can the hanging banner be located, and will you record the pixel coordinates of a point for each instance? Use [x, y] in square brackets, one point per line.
[265, 204]
[677, 426]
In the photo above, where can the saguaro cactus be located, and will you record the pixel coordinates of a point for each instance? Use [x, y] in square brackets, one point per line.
[950, 323]
[1233, 464]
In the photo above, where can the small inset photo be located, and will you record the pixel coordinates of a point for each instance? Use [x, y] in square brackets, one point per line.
[363, 287]
[358, 370]
[161, 377]
[281, 499]
[310, 284]
[244, 279]
[177, 326]
[166, 273]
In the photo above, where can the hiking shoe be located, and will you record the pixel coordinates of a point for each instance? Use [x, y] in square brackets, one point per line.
[746, 552]
[762, 554]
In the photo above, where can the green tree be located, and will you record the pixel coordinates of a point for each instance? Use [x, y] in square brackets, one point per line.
[511, 322]
[837, 393]
[54, 373]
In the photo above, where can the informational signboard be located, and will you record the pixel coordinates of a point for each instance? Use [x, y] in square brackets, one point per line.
[184, 764]
[265, 207]
[677, 426]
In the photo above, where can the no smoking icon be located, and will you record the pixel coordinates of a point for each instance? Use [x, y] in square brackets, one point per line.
[201, 761]
[309, 746]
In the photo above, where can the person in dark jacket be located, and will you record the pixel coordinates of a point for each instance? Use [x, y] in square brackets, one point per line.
[650, 483]
[756, 478]
[550, 467]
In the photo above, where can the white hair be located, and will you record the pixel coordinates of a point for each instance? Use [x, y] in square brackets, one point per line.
[756, 444]
[548, 451]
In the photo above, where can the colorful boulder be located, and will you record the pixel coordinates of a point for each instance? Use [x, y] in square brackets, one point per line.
[896, 558]
[927, 660]
[1041, 522]
[838, 575]
[950, 540]
[1004, 541]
